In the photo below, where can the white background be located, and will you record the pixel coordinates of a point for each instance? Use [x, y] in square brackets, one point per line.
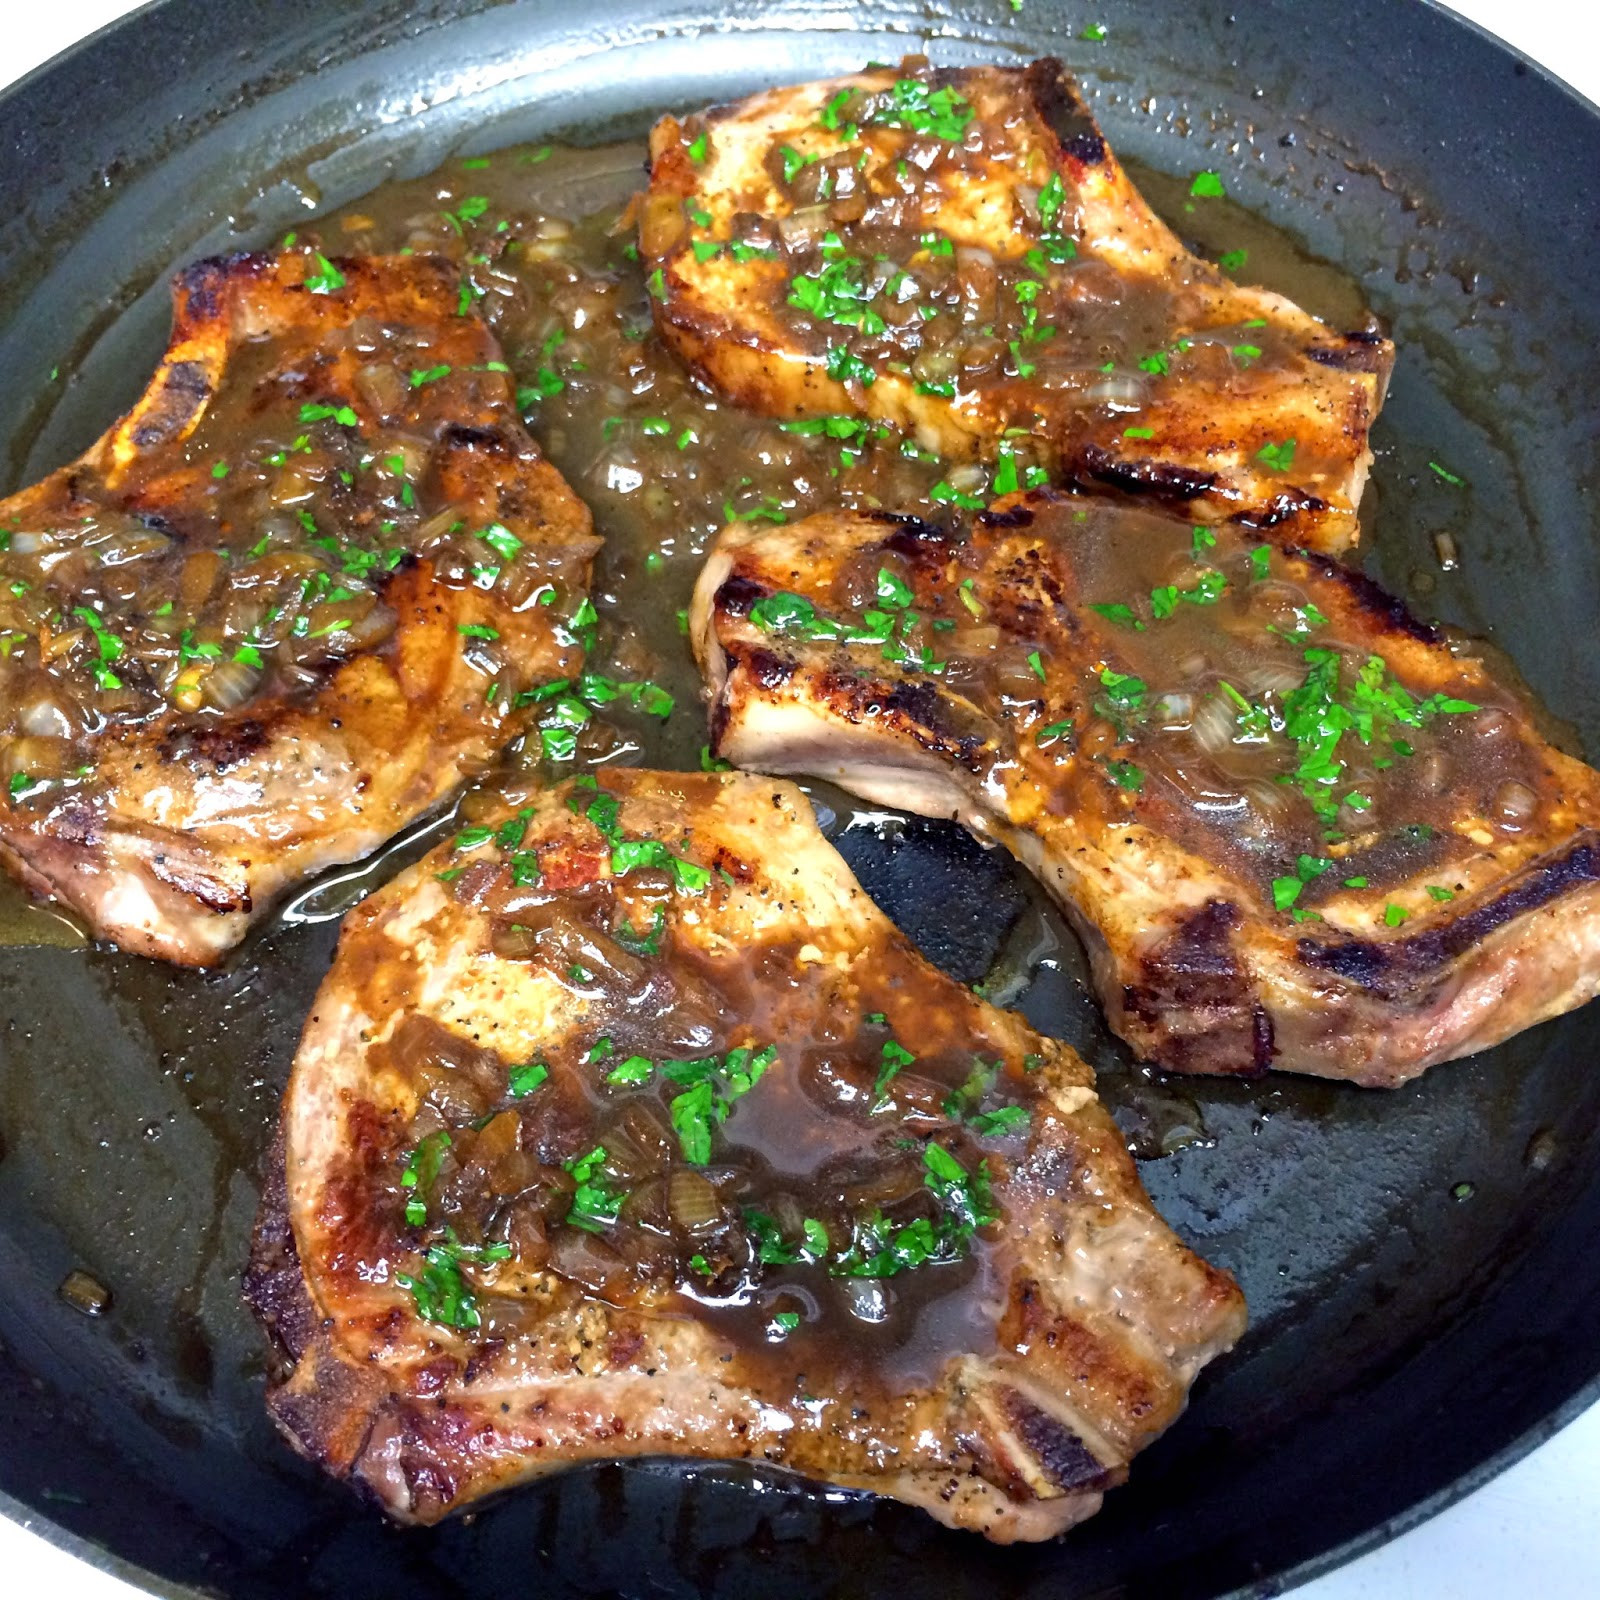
[1533, 1531]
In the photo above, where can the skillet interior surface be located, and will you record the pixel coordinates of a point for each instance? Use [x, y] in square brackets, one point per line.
[1419, 1264]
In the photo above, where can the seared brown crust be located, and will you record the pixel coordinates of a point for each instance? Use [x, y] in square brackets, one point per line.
[1401, 969]
[1100, 1317]
[190, 824]
[1198, 967]
[1200, 435]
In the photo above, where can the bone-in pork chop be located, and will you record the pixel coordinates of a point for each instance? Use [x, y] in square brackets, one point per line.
[1293, 826]
[293, 601]
[625, 1124]
[959, 253]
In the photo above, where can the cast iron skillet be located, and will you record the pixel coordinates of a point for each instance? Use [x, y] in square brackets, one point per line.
[1411, 1334]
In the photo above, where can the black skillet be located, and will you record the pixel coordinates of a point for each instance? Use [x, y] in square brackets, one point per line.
[1422, 1265]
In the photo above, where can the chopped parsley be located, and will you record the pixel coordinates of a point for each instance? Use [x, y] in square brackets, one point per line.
[844, 366]
[839, 292]
[1001, 1121]
[793, 161]
[879, 1249]
[642, 944]
[891, 590]
[831, 114]
[1317, 718]
[831, 427]
[1278, 457]
[439, 1290]
[596, 1203]
[419, 1173]
[911, 104]
[343, 415]
[1123, 690]
[1286, 890]
[1117, 612]
[525, 1077]
[634, 1069]
[711, 1085]
[892, 1060]
[327, 279]
[108, 645]
[501, 540]
[948, 494]
[631, 854]
[773, 1250]
[1051, 197]
[793, 616]
[1206, 591]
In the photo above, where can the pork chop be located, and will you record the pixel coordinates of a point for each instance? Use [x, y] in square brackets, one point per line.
[625, 1124]
[959, 253]
[1294, 826]
[291, 602]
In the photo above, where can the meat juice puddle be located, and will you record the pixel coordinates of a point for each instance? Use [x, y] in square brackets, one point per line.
[663, 468]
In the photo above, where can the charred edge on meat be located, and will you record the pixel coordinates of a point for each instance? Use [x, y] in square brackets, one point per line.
[1013, 517]
[202, 287]
[1060, 1454]
[1286, 504]
[768, 668]
[917, 709]
[1194, 977]
[1393, 969]
[1063, 112]
[918, 539]
[1377, 605]
[490, 441]
[738, 594]
[1360, 352]
[221, 746]
[185, 388]
[1170, 480]
[273, 1283]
